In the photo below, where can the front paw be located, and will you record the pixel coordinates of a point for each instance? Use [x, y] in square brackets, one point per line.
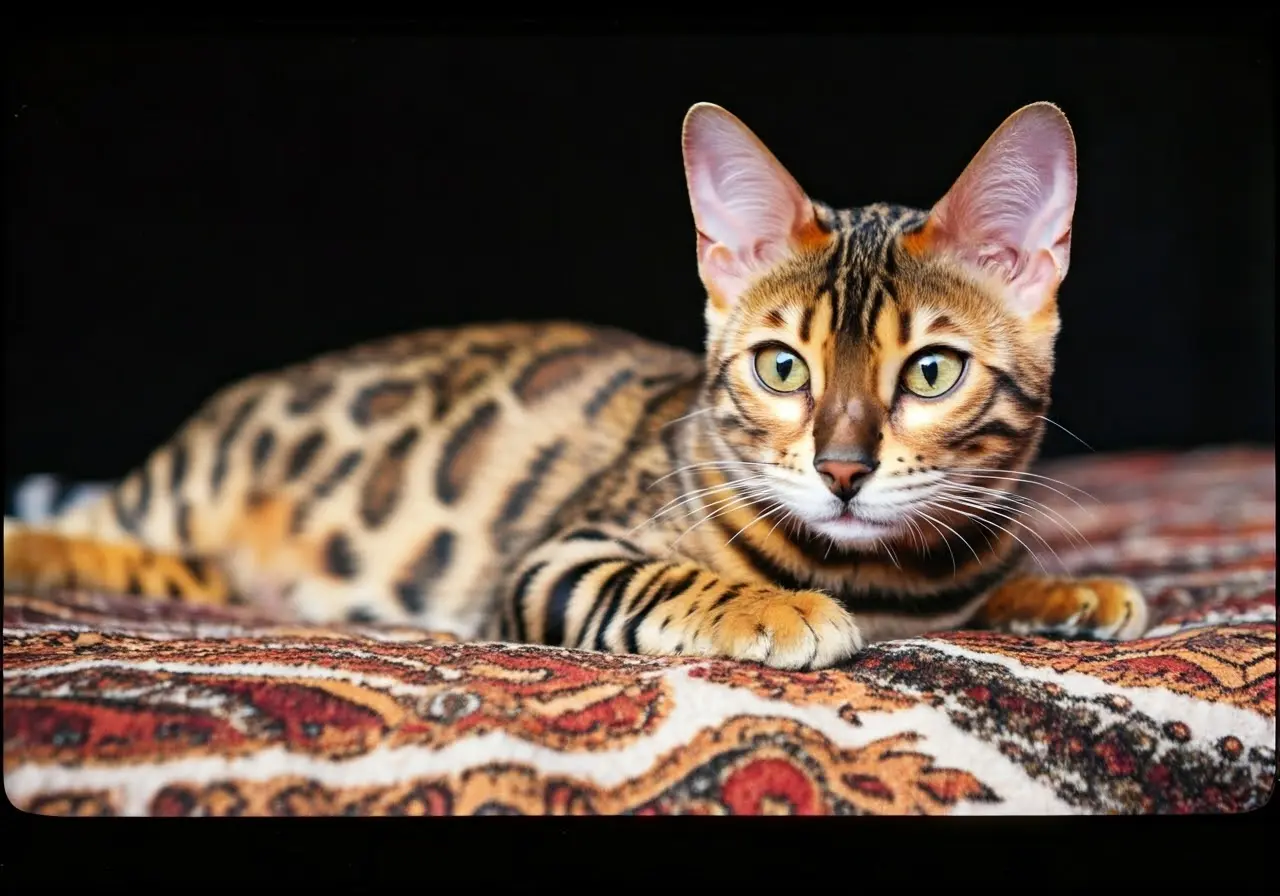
[783, 629]
[1105, 609]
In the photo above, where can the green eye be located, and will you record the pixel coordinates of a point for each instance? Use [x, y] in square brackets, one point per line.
[933, 372]
[781, 370]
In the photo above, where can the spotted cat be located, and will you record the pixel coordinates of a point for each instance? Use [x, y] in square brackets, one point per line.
[846, 463]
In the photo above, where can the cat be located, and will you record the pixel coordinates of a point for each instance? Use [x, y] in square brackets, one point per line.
[843, 465]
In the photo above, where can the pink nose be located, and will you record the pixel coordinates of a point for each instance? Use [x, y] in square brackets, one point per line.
[843, 477]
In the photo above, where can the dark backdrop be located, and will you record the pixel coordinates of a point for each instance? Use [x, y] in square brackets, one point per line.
[183, 210]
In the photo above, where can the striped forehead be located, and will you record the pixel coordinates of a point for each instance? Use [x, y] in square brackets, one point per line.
[861, 270]
[856, 283]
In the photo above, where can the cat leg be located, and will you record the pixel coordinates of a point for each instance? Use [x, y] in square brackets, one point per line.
[592, 589]
[245, 555]
[137, 536]
[38, 558]
[1105, 609]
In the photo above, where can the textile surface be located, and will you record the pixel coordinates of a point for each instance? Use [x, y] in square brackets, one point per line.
[115, 705]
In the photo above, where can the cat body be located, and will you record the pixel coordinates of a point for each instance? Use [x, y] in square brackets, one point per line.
[845, 463]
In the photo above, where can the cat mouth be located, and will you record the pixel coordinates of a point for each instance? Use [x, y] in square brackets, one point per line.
[849, 526]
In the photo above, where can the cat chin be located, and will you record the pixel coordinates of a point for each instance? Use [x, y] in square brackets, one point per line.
[845, 530]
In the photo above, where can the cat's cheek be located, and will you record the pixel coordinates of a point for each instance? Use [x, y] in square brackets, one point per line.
[791, 412]
[920, 416]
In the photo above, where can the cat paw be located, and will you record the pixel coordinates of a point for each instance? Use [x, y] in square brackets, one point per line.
[783, 629]
[1101, 609]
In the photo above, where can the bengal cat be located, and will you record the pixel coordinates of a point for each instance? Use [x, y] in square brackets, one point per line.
[847, 463]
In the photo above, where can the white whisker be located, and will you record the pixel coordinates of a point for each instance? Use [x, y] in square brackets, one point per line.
[1049, 513]
[713, 464]
[741, 502]
[786, 516]
[686, 417]
[945, 543]
[981, 532]
[988, 526]
[729, 483]
[689, 498]
[1026, 474]
[988, 523]
[888, 550]
[762, 515]
[962, 538]
[988, 509]
[1067, 431]
[1028, 482]
[917, 534]
[757, 492]
[984, 500]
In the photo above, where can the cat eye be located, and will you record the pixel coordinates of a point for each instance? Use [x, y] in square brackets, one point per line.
[933, 372]
[781, 369]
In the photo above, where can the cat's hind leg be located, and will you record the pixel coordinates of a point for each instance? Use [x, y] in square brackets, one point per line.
[38, 558]
[591, 588]
[1107, 609]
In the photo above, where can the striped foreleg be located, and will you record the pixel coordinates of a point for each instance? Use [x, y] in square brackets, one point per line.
[590, 589]
[1104, 609]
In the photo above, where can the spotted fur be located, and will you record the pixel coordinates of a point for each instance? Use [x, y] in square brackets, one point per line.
[574, 485]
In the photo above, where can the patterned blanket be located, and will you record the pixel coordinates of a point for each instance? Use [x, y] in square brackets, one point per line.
[119, 706]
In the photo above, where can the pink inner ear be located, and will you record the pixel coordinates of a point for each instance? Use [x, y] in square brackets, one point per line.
[1011, 209]
[748, 210]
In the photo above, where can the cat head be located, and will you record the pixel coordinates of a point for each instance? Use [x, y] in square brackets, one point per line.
[871, 366]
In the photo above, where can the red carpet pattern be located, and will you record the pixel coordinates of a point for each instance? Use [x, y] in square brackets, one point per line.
[115, 706]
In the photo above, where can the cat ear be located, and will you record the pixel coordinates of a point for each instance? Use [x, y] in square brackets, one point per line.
[1010, 211]
[749, 212]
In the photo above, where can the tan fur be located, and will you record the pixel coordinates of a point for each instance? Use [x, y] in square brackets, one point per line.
[576, 485]
[1111, 608]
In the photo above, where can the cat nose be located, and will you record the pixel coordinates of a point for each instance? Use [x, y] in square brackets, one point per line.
[844, 475]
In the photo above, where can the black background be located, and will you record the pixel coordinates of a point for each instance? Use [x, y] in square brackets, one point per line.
[189, 207]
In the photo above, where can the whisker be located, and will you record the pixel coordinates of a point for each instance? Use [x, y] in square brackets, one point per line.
[982, 507]
[1030, 475]
[1032, 482]
[1067, 431]
[1045, 510]
[996, 527]
[763, 515]
[958, 493]
[983, 533]
[945, 543]
[916, 534]
[962, 539]
[888, 550]
[686, 417]
[713, 464]
[692, 497]
[743, 482]
[714, 488]
[739, 503]
[781, 519]
[724, 504]
[754, 489]
[757, 492]
[1011, 535]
